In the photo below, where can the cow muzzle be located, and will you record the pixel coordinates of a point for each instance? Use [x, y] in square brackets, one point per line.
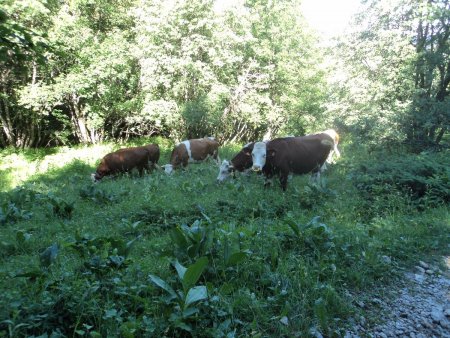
[256, 168]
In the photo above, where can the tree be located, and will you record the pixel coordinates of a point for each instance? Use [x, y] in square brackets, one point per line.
[236, 74]
[394, 72]
[23, 48]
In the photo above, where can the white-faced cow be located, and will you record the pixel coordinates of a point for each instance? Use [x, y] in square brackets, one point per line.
[296, 155]
[242, 161]
[127, 159]
[192, 151]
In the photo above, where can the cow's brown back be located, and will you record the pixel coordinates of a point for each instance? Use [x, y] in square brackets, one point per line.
[179, 156]
[204, 147]
[200, 150]
[127, 159]
[297, 155]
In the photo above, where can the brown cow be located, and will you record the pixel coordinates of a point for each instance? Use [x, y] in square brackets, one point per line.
[297, 155]
[125, 160]
[240, 162]
[192, 151]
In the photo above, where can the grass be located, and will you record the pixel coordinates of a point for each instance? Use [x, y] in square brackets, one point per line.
[77, 256]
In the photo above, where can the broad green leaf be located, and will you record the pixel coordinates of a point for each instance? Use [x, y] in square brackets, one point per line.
[181, 270]
[31, 274]
[195, 294]
[189, 312]
[236, 258]
[163, 285]
[193, 272]
[293, 226]
[183, 326]
[49, 255]
[179, 238]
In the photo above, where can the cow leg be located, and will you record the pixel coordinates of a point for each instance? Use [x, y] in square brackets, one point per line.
[216, 157]
[283, 181]
[315, 178]
[141, 171]
[268, 180]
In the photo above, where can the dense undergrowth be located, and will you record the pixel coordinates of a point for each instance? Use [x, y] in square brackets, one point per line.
[181, 255]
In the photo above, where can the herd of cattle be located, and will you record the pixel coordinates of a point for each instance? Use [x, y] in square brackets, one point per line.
[278, 157]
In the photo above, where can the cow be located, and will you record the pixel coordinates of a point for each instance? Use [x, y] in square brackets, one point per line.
[242, 161]
[192, 151]
[127, 159]
[297, 155]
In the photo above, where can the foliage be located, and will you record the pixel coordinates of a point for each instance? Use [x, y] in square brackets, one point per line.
[391, 72]
[86, 71]
[424, 177]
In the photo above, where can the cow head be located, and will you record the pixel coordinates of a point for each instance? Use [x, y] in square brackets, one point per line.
[168, 168]
[225, 170]
[259, 155]
[102, 170]
[243, 159]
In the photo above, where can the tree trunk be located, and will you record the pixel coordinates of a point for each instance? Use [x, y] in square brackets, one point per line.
[6, 123]
[78, 120]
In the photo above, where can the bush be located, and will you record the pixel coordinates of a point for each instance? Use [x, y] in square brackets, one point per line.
[424, 178]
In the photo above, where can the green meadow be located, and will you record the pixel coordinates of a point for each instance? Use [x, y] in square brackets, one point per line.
[181, 255]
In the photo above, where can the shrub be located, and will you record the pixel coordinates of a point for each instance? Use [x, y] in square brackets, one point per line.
[421, 177]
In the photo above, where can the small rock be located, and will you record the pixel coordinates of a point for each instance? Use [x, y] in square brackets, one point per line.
[420, 269]
[447, 312]
[426, 323]
[403, 314]
[361, 304]
[445, 324]
[419, 278]
[315, 333]
[362, 321]
[284, 320]
[379, 302]
[429, 272]
[437, 315]
[387, 259]
[424, 265]
[382, 335]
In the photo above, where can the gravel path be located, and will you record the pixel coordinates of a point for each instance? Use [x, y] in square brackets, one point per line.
[420, 309]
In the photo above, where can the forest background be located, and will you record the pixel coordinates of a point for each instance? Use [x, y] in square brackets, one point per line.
[87, 71]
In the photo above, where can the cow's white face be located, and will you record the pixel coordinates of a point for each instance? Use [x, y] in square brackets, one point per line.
[224, 171]
[259, 156]
[168, 168]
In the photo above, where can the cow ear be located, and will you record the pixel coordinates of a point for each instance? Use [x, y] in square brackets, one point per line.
[247, 152]
[271, 152]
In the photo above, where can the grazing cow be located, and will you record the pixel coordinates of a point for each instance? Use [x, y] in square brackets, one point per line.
[125, 160]
[297, 155]
[192, 151]
[240, 162]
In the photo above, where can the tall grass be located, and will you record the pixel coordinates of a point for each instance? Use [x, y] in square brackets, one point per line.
[77, 256]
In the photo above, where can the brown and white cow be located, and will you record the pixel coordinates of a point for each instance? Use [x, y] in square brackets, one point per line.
[296, 155]
[192, 151]
[127, 159]
[242, 161]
